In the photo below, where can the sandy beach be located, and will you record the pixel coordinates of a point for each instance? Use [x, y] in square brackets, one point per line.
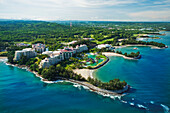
[116, 54]
[84, 72]
[3, 57]
[128, 45]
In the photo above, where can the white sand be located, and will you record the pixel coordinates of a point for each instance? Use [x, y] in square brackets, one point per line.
[116, 54]
[84, 72]
[3, 57]
[153, 47]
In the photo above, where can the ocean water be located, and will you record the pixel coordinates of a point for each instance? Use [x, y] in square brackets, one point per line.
[149, 77]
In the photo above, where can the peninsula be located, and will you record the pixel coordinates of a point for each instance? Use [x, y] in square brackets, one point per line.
[64, 52]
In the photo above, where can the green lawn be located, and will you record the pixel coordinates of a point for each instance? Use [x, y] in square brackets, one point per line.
[102, 42]
[135, 35]
[3, 53]
[94, 57]
[24, 42]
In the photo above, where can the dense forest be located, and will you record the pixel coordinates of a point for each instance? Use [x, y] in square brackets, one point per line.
[52, 32]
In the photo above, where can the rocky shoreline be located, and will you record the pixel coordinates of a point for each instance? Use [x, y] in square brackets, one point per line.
[83, 83]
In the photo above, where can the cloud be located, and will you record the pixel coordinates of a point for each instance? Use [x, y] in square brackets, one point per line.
[162, 2]
[151, 15]
[72, 3]
[98, 3]
[85, 9]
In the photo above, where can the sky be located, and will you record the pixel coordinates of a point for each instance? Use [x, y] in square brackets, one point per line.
[91, 10]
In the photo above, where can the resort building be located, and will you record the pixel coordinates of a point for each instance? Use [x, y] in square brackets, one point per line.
[67, 52]
[57, 56]
[72, 42]
[39, 47]
[22, 44]
[28, 52]
[110, 47]
[120, 40]
[103, 46]
[88, 38]
[81, 48]
[47, 53]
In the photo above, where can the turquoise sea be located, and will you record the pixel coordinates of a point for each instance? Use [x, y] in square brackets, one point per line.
[149, 77]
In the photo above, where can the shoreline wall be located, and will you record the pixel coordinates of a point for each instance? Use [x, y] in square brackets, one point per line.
[97, 67]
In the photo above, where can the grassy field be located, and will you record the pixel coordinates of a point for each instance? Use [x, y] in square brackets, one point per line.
[102, 42]
[3, 53]
[135, 35]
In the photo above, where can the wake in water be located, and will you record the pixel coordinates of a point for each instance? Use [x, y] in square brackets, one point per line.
[104, 95]
[141, 106]
[152, 102]
[151, 105]
[166, 108]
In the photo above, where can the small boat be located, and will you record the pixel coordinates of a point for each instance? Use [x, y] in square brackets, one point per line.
[135, 48]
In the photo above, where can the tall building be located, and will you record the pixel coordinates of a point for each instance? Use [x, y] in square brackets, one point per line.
[63, 54]
[39, 47]
[55, 57]
[67, 52]
[28, 52]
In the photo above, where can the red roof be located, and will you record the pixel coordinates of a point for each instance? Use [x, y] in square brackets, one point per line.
[63, 50]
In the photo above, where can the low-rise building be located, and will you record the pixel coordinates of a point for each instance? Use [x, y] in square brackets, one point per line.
[81, 48]
[88, 38]
[108, 46]
[28, 52]
[47, 53]
[103, 46]
[22, 44]
[72, 42]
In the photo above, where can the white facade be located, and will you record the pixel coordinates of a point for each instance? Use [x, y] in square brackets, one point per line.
[47, 52]
[28, 52]
[22, 44]
[81, 48]
[103, 46]
[47, 62]
[72, 42]
[39, 47]
[57, 56]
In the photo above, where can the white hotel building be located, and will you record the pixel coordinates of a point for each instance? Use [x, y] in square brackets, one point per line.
[28, 52]
[57, 56]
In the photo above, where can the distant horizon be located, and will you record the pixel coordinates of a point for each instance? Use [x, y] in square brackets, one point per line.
[1, 19]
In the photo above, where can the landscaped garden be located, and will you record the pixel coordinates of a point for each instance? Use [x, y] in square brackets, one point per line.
[93, 60]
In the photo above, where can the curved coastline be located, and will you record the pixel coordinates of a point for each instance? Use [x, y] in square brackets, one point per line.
[82, 83]
[3, 57]
[153, 47]
[119, 55]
